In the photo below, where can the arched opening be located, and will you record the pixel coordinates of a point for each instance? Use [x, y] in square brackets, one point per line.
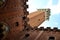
[51, 38]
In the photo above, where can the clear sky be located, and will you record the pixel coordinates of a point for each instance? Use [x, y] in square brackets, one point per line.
[54, 5]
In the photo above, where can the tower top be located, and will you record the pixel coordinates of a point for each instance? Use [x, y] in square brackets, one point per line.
[47, 13]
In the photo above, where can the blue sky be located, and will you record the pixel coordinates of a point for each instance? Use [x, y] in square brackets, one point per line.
[54, 5]
[54, 2]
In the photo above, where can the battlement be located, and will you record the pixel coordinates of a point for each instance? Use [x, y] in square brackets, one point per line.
[48, 29]
[47, 12]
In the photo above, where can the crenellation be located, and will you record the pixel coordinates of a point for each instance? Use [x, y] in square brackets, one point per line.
[26, 6]
[47, 29]
[55, 29]
[41, 28]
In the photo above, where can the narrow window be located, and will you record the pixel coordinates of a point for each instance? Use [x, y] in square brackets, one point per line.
[17, 24]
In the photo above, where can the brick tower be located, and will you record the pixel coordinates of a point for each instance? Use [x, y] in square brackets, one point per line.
[38, 17]
[13, 17]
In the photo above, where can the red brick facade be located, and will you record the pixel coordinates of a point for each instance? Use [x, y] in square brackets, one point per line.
[14, 13]
[41, 34]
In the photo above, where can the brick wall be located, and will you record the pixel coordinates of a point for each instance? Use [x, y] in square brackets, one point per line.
[14, 14]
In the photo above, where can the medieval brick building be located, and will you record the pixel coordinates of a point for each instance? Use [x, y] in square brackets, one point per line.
[16, 24]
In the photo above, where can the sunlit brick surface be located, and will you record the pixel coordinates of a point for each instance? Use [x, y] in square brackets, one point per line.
[36, 18]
